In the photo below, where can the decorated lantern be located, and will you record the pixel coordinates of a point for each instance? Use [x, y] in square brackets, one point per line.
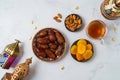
[110, 9]
[20, 71]
[8, 56]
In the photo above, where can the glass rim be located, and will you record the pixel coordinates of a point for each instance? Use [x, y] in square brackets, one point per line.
[105, 27]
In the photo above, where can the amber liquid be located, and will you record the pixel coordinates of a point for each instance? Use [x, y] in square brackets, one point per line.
[96, 29]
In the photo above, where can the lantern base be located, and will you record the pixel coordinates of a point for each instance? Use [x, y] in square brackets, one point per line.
[7, 76]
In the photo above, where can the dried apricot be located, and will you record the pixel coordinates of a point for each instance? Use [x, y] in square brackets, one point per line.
[82, 41]
[89, 47]
[79, 57]
[73, 49]
[81, 49]
[87, 55]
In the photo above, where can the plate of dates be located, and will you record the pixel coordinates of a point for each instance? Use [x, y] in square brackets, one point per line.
[49, 44]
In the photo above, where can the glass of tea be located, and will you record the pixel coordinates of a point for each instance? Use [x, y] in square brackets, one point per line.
[96, 29]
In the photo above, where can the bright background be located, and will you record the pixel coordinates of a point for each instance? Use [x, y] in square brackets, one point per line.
[16, 18]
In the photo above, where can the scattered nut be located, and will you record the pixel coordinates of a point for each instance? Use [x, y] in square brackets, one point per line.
[30, 38]
[77, 8]
[62, 68]
[59, 15]
[35, 27]
[55, 17]
[73, 22]
[115, 29]
[113, 39]
[32, 22]
[58, 18]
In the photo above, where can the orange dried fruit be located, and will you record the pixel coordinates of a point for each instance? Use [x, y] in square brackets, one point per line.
[81, 49]
[79, 57]
[82, 41]
[73, 49]
[89, 46]
[88, 54]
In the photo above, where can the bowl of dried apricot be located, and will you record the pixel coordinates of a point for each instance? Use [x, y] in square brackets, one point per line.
[82, 50]
[49, 44]
[73, 22]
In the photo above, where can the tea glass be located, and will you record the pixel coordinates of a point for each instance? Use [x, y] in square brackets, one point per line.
[97, 29]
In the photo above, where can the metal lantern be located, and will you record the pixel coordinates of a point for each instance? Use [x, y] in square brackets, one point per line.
[9, 54]
[110, 9]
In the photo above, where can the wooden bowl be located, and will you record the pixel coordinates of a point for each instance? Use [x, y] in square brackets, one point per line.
[49, 45]
[73, 22]
[83, 59]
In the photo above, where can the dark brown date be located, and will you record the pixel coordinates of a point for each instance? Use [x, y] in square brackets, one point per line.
[43, 33]
[58, 52]
[43, 46]
[52, 45]
[36, 50]
[34, 44]
[51, 35]
[43, 40]
[50, 31]
[50, 54]
[42, 54]
[59, 37]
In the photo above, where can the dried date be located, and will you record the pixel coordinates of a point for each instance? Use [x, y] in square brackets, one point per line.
[52, 45]
[51, 35]
[43, 33]
[50, 54]
[42, 54]
[58, 52]
[36, 50]
[59, 37]
[43, 40]
[43, 46]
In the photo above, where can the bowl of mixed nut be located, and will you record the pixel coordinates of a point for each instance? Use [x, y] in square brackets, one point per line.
[82, 50]
[49, 45]
[73, 22]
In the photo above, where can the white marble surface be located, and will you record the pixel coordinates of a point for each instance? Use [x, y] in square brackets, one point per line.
[15, 23]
